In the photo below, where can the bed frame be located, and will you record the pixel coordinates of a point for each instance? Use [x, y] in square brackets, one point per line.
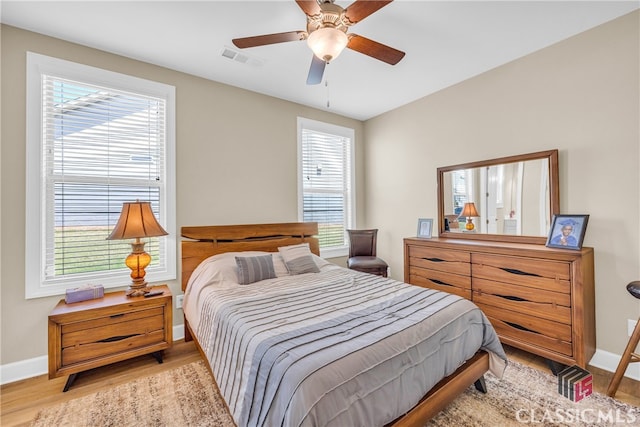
[201, 242]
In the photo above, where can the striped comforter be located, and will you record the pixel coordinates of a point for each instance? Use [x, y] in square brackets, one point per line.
[337, 347]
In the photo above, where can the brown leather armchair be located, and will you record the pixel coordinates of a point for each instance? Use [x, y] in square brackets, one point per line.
[362, 252]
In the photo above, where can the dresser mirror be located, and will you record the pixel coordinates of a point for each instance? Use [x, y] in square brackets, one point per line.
[514, 198]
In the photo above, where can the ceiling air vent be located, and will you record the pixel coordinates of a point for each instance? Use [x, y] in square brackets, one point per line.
[241, 57]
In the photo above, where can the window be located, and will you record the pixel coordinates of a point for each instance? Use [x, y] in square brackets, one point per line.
[95, 139]
[462, 184]
[459, 190]
[326, 182]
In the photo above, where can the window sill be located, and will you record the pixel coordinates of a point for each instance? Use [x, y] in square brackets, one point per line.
[342, 251]
[120, 280]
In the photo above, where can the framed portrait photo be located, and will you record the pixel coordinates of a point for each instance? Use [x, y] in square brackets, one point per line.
[567, 231]
[424, 227]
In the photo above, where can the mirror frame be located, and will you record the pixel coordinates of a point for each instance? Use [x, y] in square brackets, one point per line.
[554, 194]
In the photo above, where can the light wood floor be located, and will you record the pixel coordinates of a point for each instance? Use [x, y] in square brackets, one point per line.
[22, 400]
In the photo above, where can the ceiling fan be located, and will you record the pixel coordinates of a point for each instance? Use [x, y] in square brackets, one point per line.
[326, 34]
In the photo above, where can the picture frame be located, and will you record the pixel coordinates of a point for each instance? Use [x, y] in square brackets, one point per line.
[567, 231]
[425, 225]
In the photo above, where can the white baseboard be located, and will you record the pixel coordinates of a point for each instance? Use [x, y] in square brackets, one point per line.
[178, 332]
[23, 369]
[609, 362]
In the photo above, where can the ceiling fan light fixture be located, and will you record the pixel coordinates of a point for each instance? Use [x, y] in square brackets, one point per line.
[327, 43]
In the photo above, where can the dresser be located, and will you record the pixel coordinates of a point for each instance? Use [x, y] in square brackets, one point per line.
[539, 299]
[88, 334]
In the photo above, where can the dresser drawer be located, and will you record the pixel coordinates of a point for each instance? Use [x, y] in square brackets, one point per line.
[456, 262]
[542, 333]
[535, 273]
[441, 281]
[549, 305]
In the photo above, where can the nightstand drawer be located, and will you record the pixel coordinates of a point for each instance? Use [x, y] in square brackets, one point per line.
[115, 326]
[90, 350]
[113, 319]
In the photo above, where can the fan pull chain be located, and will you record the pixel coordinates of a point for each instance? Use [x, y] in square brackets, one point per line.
[326, 85]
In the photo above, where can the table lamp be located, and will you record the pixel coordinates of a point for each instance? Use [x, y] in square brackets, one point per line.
[137, 221]
[468, 211]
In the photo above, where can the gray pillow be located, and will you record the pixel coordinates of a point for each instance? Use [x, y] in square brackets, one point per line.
[254, 268]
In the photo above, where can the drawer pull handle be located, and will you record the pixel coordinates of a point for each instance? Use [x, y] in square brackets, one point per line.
[522, 328]
[440, 282]
[511, 297]
[519, 272]
[435, 259]
[116, 315]
[117, 338]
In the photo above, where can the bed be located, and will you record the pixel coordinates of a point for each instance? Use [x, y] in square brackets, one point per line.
[305, 342]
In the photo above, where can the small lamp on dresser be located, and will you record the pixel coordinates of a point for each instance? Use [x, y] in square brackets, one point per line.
[137, 221]
[469, 211]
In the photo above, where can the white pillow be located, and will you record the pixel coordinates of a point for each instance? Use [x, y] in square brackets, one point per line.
[224, 266]
[298, 259]
[278, 265]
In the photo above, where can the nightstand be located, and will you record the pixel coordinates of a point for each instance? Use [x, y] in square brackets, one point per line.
[97, 332]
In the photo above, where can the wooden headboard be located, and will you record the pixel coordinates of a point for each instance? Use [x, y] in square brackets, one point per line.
[205, 241]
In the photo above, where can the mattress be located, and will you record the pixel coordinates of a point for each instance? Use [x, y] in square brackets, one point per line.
[333, 348]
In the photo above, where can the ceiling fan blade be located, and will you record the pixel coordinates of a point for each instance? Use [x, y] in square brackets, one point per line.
[374, 49]
[290, 36]
[316, 71]
[360, 9]
[310, 7]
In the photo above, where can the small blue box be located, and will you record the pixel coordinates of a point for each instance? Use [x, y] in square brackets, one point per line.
[84, 293]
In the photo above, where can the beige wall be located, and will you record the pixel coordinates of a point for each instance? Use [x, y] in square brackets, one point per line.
[580, 96]
[236, 163]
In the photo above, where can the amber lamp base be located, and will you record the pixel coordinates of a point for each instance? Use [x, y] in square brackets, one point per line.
[137, 261]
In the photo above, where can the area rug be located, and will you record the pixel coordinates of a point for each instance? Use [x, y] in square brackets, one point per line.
[186, 396]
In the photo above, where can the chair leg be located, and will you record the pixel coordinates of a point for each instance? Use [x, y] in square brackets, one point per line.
[627, 357]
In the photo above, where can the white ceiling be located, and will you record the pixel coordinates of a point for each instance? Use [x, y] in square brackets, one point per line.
[445, 42]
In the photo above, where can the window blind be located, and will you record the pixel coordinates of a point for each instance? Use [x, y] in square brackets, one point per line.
[460, 190]
[101, 147]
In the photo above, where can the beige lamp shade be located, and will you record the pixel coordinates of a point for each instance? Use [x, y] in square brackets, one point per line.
[469, 210]
[136, 221]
